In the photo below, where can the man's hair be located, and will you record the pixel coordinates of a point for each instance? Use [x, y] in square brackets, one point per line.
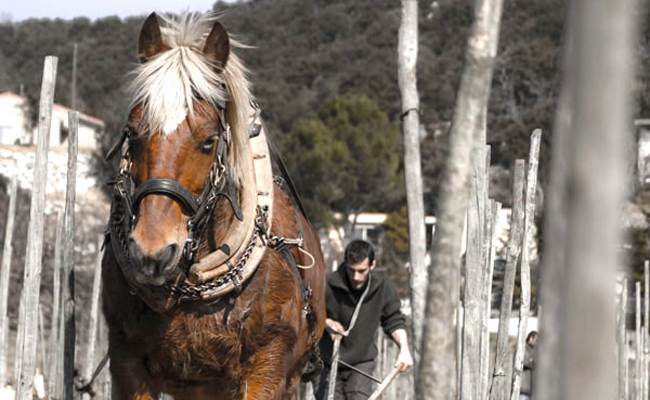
[357, 251]
[532, 334]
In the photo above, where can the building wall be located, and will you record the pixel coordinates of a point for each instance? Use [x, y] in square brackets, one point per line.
[87, 132]
[13, 121]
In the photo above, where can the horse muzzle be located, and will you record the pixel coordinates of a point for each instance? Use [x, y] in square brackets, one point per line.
[154, 269]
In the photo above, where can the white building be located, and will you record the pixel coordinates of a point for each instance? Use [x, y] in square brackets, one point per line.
[14, 123]
[367, 225]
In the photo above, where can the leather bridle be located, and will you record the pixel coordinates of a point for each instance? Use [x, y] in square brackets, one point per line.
[127, 197]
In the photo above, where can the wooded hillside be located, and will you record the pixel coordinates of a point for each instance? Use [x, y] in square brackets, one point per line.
[308, 52]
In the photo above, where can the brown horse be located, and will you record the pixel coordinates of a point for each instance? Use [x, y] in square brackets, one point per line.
[214, 284]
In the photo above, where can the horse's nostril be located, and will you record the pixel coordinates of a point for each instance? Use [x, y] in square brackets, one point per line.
[166, 256]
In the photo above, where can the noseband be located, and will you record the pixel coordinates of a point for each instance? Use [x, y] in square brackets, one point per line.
[127, 197]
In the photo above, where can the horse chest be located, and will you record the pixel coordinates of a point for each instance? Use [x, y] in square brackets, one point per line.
[199, 346]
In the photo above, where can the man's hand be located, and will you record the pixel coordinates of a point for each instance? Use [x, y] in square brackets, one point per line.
[333, 327]
[404, 359]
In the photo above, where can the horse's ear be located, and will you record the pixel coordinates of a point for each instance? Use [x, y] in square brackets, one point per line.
[150, 42]
[217, 46]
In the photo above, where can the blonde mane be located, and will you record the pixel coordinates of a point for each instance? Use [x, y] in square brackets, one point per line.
[168, 84]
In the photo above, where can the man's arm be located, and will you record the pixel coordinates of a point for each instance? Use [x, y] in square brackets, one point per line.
[404, 358]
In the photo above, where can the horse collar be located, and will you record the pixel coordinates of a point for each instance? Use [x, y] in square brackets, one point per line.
[230, 266]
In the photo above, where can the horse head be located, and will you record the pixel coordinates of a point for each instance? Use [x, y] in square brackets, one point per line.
[185, 161]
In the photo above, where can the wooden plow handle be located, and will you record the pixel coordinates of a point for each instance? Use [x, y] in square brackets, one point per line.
[384, 384]
[334, 368]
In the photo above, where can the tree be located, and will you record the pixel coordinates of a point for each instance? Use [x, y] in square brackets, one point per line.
[345, 158]
[396, 227]
[443, 283]
[407, 56]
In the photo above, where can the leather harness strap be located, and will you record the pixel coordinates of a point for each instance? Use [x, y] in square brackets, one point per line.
[169, 188]
[287, 178]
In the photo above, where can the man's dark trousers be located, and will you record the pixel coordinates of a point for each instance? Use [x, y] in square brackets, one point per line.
[350, 385]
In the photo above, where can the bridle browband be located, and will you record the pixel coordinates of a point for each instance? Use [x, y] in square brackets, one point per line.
[127, 197]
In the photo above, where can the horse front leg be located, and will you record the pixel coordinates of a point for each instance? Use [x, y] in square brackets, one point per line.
[121, 392]
[128, 375]
[265, 375]
[127, 386]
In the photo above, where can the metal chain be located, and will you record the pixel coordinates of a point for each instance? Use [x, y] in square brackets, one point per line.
[195, 292]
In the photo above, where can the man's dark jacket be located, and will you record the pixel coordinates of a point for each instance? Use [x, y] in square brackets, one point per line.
[381, 306]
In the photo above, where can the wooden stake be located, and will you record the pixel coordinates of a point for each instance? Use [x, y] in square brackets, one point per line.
[500, 386]
[5, 276]
[485, 341]
[622, 344]
[68, 297]
[474, 278]
[34, 251]
[638, 344]
[529, 222]
[407, 55]
[646, 306]
[54, 348]
[94, 317]
[334, 367]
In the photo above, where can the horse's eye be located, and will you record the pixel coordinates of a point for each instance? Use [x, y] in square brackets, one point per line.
[208, 143]
[130, 133]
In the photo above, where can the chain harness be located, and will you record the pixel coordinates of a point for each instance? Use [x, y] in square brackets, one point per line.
[234, 275]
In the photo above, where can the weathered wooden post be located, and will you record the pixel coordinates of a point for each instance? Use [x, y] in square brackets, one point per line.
[622, 344]
[34, 251]
[20, 338]
[475, 264]
[576, 330]
[94, 317]
[553, 267]
[500, 383]
[60, 373]
[406, 71]
[495, 208]
[439, 371]
[68, 296]
[600, 95]
[107, 388]
[106, 381]
[41, 337]
[5, 275]
[646, 310]
[638, 345]
[529, 222]
[54, 348]
[334, 368]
